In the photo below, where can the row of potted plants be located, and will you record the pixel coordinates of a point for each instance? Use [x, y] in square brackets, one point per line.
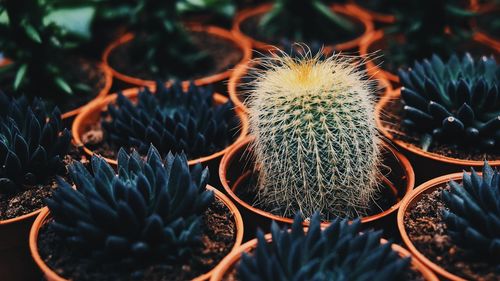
[293, 117]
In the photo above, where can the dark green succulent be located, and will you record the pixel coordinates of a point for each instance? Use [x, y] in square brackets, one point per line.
[164, 46]
[457, 102]
[172, 120]
[429, 27]
[151, 210]
[473, 213]
[338, 252]
[32, 143]
[310, 21]
[225, 8]
[39, 40]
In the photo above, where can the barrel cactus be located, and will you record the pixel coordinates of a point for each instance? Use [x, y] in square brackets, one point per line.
[456, 102]
[151, 210]
[315, 136]
[339, 252]
[473, 213]
[33, 143]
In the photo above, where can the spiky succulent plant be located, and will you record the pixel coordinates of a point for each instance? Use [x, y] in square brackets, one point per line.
[456, 102]
[300, 20]
[172, 120]
[225, 8]
[473, 214]
[39, 39]
[315, 137]
[32, 143]
[151, 210]
[338, 252]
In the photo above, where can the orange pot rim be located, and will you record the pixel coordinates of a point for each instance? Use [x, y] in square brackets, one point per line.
[409, 201]
[108, 76]
[231, 259]
[372, 15]
[228, 157]
[20, 218]
[242, 45]
[131, 93]
[379, 108]
[53, 276]
[345, 9]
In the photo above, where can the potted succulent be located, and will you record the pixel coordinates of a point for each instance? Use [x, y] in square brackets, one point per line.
[445, 117]
[157, 219]
[195, 120]
[161, 46]
[41, 44]
[378, 10]
[422, 29]
[315, 146]
[338, 252]
[451, 224]
[286, 21]
[32, 147]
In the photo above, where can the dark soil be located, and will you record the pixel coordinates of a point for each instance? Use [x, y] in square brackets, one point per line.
[428, 232]
[26, 201]
[223, 53]
[251, 28]
[218, 239]
[31, 198]
[392, 117]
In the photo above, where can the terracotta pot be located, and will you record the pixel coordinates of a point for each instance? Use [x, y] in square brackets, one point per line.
[242, 45]
[345, 10]
[15, 260]
[375, 41]
[238, 95]
[50, 275]
[92, 114]
[409, 202]
[358, 9]
[480, 35]
[231, 260]
[427, 165]
[108, 80]
[236, 169]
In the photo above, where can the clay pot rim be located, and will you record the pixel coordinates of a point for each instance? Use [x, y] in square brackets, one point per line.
[20, 218]
[377, 35]
[243, 46]
[228, 157]
[241, 70]
[373, 15]
[229, 260]
[346, 10]
[53, 276]
[379, 108]
[409, 201]
[132, 93]
[108, 81]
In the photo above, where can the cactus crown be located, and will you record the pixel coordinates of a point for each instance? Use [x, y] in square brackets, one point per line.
[338, 252]
[32, 143]
[473, 215]
[315, 137]
[456, 102]
[151, 210]
[300, 20]
[172, 120]
[39, 39]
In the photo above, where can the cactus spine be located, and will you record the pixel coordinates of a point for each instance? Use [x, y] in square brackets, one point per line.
[315, 136]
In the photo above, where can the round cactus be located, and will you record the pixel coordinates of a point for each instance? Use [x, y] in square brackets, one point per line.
[315, 136]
